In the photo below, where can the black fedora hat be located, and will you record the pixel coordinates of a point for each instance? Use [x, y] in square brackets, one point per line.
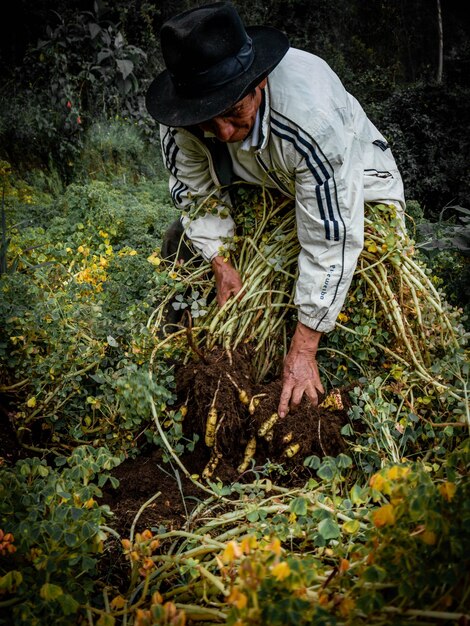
[212, 61]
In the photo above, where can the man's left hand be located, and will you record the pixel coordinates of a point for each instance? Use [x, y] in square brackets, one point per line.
[301, 373]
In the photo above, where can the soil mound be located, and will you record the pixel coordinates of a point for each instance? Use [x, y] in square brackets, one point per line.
[237, 423]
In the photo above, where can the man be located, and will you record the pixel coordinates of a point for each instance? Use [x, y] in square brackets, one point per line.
[280, 117]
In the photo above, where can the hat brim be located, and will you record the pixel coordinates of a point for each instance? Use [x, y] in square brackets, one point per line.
[168, 107]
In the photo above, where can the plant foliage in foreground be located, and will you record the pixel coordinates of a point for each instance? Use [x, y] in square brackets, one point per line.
[55, 525]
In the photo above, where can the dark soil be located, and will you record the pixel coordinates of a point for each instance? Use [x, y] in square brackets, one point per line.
[10, 449]
[216, 380]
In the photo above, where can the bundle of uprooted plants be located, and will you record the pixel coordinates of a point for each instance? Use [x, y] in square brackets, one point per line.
[395, 329]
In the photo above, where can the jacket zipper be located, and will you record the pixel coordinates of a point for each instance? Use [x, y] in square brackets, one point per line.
[273, 177]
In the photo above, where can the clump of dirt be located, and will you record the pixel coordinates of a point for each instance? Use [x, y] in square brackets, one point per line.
[221, 383]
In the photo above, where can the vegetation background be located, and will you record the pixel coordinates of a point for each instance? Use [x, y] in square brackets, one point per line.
[83, 208]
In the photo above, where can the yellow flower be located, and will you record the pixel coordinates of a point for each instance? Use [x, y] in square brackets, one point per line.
[342, 317]
[31, 402]
[231, 552]
[447, 490]
[237, 598]
[274, 546]
[346, 606]
[280, 570]
[428, 537]
[384, 516]
[396, 472]
[379, 483]
[248, 544]
[154, 258]
[157, 598]
[118, 602]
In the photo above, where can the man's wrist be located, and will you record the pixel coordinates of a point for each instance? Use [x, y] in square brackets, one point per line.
[219, 265]
[306, 339]
[218, 261]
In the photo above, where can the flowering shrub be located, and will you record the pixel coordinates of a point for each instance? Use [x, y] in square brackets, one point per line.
[74, 308]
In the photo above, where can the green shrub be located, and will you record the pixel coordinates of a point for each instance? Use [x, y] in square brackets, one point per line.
[76, 297]
[50, 573]
[427, 128]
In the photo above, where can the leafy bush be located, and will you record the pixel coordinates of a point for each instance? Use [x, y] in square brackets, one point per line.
[56, 533]
[427, 127]
[446, 246]
[75, 301]
[420, 540]
[82, 70]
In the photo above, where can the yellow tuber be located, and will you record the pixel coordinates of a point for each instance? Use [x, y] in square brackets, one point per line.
[211, 426]
[288, 438]
[244, 399]
[292, 450]
[211, 423]
[255, 400]
[212, 464]
[267, 425]
[249, 454]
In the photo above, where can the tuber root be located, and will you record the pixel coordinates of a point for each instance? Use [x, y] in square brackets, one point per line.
[249, 454]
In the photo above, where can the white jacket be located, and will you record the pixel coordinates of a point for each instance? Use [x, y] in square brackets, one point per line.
[316, 145]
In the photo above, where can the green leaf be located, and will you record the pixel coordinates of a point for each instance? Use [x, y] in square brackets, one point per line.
[88, 564]
[351, 527]
[374, 574]
[326, 472]
[112, 342]
[329, 529]
[312, 461]
[68, 604]
[70, 540]
[76, 513]
[357, 495]
[299, 506]
[106, 620]
[50, 592]
[10, 581]
[343, 461]
[114, 482]
[43, 471]
[347, 430]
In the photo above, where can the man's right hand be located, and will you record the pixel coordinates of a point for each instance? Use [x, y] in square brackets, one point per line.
[227, 279]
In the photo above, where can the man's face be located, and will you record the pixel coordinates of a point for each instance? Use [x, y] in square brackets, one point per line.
[235, 123]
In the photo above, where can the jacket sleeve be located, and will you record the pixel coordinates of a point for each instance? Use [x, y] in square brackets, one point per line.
[330, 221]
[205, 207]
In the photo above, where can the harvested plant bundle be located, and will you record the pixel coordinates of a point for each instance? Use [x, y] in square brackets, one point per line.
[394, 287]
